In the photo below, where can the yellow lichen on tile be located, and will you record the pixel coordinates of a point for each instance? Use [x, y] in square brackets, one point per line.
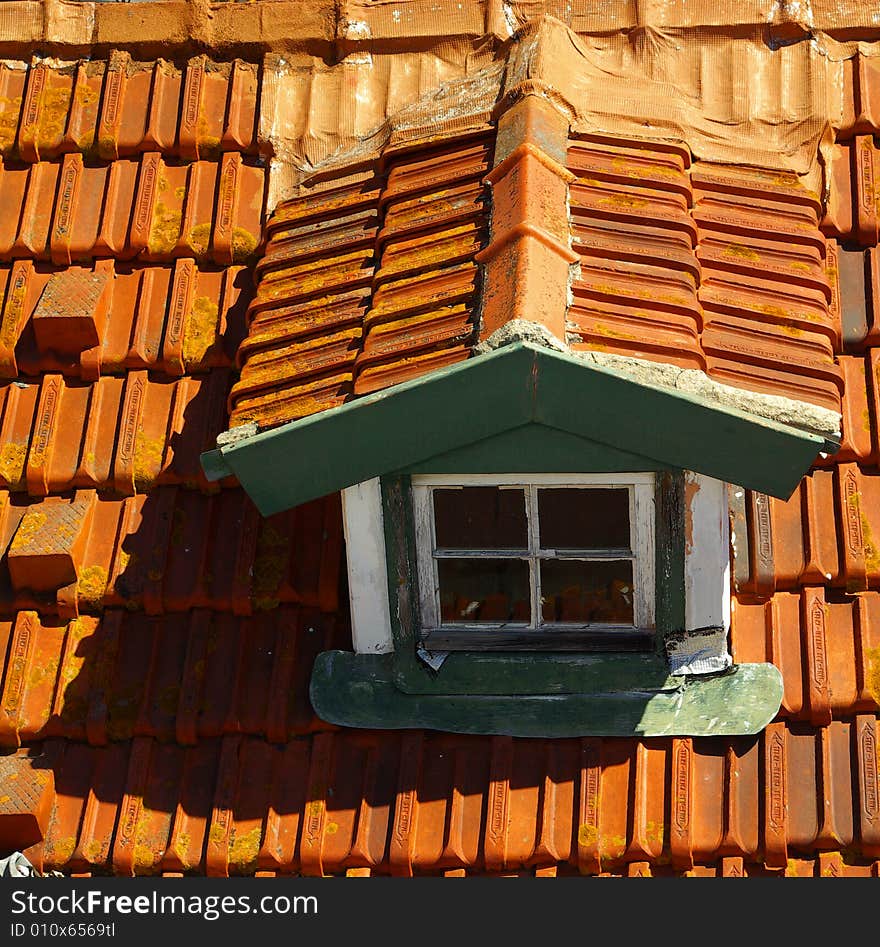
[148, 454]
[165, 229]
[28, 529]
[10, 112]
[12, 463]
[200, 332]
[243, 245]
[199, 240]
[91, 586]
[872, 673]
[180, 847]
[52, 115]
[243, 849]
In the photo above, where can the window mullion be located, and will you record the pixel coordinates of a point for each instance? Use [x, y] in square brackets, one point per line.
[534, 565]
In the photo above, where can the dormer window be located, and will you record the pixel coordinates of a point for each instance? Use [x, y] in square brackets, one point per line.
[544, 562]
[526, 568]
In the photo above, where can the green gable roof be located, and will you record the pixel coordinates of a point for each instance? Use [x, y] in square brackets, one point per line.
[518, 392]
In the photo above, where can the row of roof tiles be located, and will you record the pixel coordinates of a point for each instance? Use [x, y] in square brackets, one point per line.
[417, 802]
[66, 211]
[824, 534]
[368, 279]
[174, 676]
[170, 550]
[719, 269]
[108, 318]
[117, 107]
[117, 433]
[180, 678]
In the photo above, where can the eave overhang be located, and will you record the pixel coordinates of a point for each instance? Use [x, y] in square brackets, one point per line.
[513, 387]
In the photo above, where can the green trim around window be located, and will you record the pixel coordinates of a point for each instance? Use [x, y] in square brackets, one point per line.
[515, 387]
[527, 694]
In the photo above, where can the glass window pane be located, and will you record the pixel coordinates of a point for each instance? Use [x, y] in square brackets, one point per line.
[484, 590]
[480, 518]
[586, 518]
[575, 591]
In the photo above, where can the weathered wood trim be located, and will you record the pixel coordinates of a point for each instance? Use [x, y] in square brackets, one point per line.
[669, 555]
[365, 554]
[600, 638]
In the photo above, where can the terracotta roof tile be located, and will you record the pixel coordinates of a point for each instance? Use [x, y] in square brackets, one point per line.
[861, 97]
[122, 434]
[186, 678]
[166, 551]
[431, 803]
[368, 279]
[119, 107]
[176, 319]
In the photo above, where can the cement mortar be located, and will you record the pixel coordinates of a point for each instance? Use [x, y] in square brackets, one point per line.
[799, 414]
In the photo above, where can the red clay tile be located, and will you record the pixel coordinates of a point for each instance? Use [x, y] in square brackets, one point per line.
[857, 422]
[12, 85]
[174, 678]
[838, 218]
[71, 313]
[865, 164]
[26, 803]
[396, 804]
[861, 97]
[44, 111]
[46, 551]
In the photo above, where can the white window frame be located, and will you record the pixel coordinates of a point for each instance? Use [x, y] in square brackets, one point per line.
[640, 487]
[706, 565]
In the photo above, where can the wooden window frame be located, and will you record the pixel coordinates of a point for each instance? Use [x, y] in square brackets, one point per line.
[505, 636]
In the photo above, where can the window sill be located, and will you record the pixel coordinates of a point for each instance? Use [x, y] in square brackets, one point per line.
[622, 638]
[358, 690]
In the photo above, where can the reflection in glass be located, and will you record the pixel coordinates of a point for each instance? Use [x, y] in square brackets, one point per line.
[480, 518]
[575, 591]
[483, 590]
[588, 518]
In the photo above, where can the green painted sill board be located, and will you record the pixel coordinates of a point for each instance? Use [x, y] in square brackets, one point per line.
[353, 690]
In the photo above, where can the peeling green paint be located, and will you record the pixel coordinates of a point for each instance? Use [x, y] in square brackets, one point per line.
[357, 691]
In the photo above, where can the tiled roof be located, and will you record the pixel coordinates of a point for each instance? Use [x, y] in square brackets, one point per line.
[722, 269]
[157, 635]
[368, 279]
[793, 800]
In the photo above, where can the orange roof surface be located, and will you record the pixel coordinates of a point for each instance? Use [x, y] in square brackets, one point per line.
[158, 286]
